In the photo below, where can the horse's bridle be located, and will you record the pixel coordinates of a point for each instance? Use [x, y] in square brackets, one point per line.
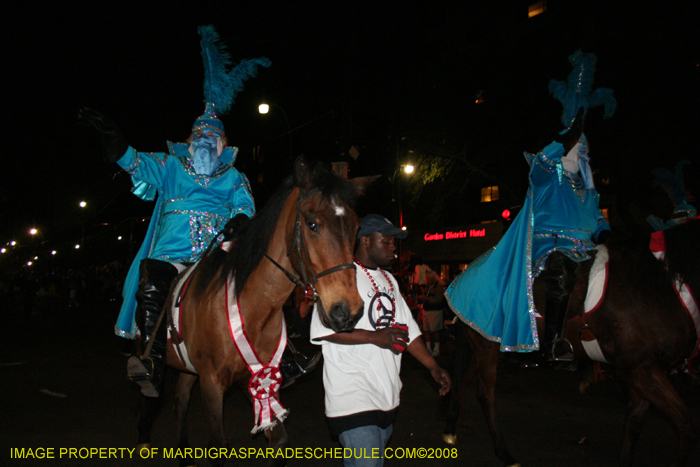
[307, 285]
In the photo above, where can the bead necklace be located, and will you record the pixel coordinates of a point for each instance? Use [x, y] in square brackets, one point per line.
[376, 289]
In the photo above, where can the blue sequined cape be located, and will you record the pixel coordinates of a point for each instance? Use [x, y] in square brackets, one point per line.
[190, 210]
[494, 294]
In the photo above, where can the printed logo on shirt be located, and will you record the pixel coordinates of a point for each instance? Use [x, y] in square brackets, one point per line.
[380, 310]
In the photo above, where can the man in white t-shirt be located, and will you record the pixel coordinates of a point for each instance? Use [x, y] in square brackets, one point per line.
[361, 368]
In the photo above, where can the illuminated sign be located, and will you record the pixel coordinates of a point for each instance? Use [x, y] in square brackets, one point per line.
[450, 235]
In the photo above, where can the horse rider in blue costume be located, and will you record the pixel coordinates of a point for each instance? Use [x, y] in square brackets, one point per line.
[199, 194]
[560, 221]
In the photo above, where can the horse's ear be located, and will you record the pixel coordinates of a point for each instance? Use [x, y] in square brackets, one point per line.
[361, 183]
[302, 174]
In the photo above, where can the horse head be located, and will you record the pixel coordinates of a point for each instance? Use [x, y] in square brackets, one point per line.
[322, 242]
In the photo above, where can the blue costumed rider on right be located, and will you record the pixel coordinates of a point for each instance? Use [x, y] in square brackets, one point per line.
[560, 221]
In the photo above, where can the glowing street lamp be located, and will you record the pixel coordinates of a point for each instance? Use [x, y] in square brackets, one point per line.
[33, 231]
[264, 109]
[409, 168]
[82, 204]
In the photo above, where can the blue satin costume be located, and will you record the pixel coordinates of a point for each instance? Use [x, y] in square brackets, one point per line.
[190, 210]
[494, 294]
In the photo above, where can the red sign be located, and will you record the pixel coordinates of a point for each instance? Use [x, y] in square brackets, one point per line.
[450, 235]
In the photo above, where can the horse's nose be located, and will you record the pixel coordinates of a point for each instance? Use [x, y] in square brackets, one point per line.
[342, 318]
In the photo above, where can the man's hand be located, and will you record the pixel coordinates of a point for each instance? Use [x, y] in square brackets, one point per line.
[233, 225]
[603, 237]
[387, 337]
[114, 144]
[443, 378]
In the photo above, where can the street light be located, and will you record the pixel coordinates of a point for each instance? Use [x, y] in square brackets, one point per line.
[264, 109]
[408, 169]
[33, 231]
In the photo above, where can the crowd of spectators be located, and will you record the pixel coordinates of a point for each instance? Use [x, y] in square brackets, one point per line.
[26, 295]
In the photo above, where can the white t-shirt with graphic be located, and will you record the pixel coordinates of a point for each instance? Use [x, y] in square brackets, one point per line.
[358, 378]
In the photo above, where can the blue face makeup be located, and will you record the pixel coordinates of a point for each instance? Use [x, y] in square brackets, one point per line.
[205, 155]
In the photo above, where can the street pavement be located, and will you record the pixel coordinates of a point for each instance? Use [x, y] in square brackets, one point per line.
[64, 386]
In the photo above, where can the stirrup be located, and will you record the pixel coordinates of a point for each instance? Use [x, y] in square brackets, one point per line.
[293, 370]
[562, 351]
[140, 371]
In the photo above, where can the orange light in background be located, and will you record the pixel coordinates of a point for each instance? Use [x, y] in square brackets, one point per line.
[536, 8]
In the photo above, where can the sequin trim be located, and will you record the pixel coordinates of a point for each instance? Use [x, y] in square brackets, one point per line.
[574, 180]
[204, 180]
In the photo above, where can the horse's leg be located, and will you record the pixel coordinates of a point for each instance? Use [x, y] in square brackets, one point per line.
[183, 390]
[213, 398]
[464, 370]
[486, 354]
[149, 409]
[277, 439]
[653, 385]
[637, 410]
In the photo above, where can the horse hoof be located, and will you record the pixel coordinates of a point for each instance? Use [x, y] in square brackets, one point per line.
[449, 438]
[141, 446]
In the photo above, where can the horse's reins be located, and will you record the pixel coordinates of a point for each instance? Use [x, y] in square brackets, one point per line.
[310, 292]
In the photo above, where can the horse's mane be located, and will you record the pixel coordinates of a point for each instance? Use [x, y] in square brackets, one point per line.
[683, 252]
[254, 236]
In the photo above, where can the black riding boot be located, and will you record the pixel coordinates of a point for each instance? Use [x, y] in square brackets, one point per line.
[154, 284]
[294, 364]
[559, 274]
[556, 347]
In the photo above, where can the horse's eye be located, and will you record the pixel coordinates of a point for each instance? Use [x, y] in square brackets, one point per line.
[313, 226]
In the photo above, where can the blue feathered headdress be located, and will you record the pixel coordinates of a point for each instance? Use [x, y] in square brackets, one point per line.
[578, 92]
[672, 183]
[220, 85]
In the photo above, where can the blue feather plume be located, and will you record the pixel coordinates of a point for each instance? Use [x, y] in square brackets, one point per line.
[672, 183]
[578, 92]
[220, 85]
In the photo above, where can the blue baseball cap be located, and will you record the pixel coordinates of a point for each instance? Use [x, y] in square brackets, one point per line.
[375, 223]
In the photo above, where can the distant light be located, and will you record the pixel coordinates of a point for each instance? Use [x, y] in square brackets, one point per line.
[506, 214]
[29, 263]
[77, 246]
[403, 228]
[36, 258]
[119, 237]
[263, 108]
[537, 8]
[409, 168]
[53, 252]
[2, 250]
[83, 204]
[33, 231]
[13, 243]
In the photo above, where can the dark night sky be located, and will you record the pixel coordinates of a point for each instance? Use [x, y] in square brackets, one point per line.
[373, 66]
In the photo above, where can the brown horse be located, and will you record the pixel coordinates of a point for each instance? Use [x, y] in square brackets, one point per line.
[304, 236]
[642, 328]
